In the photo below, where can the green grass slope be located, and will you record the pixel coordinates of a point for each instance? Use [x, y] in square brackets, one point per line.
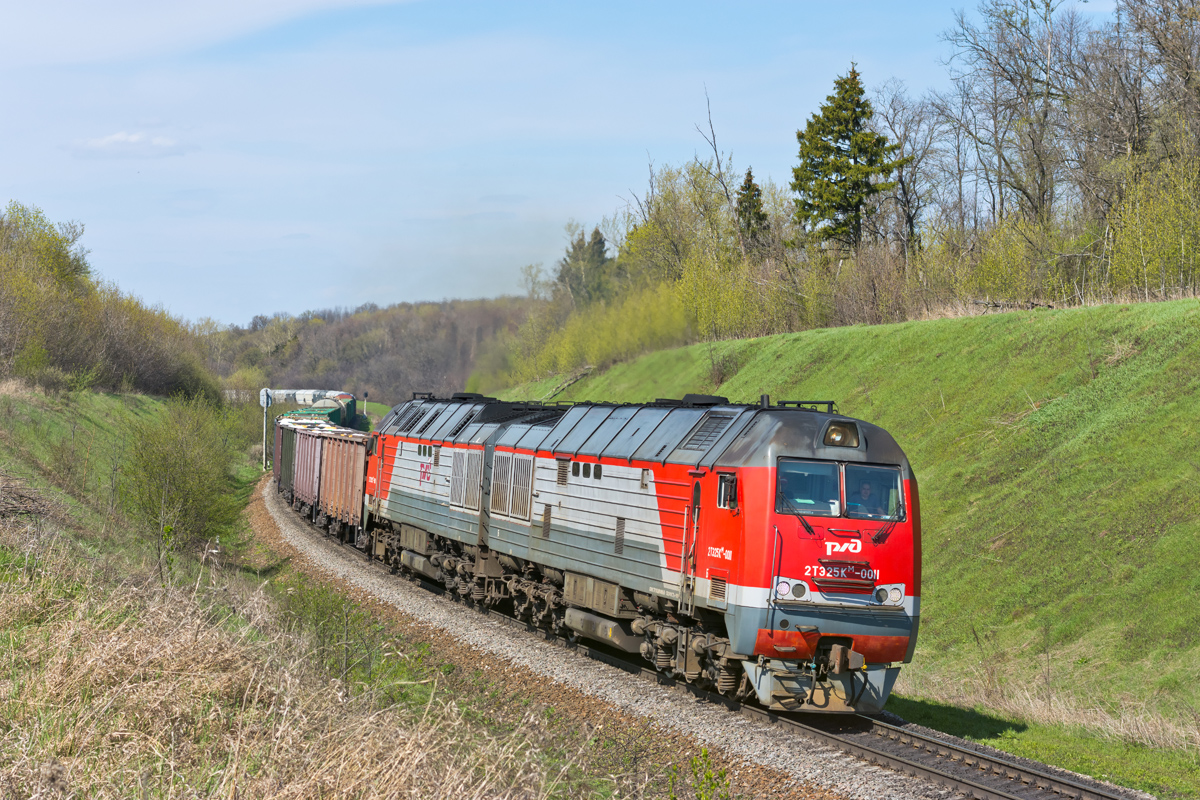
[1060, 487]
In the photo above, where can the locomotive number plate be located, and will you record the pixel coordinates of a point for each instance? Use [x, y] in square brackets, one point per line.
[848, 571]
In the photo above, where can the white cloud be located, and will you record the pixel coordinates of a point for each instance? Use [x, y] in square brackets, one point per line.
[131, 145]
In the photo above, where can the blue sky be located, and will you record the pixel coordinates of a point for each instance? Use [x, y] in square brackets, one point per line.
[235, 158]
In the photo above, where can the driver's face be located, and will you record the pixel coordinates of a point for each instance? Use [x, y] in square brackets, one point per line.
[865, 490]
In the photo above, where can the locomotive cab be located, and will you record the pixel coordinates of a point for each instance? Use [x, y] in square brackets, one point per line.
[832, 544]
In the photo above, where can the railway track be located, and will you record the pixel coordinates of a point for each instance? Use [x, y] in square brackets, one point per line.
[967, 771]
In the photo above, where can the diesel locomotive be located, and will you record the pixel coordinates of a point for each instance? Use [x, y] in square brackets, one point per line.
[768, 551]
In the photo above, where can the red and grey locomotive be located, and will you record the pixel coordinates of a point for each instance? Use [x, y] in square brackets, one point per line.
[766, 550]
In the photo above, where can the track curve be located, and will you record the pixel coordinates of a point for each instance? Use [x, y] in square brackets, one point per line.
[934, 767]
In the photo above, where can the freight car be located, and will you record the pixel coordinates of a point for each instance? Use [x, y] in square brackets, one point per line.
[319, 469]
[340, 410]
[767, 550]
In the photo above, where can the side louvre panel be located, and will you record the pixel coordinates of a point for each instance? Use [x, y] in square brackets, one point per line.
[522, 486]
[458, 478]
[474, 484]
[501, 483]
[512, 485]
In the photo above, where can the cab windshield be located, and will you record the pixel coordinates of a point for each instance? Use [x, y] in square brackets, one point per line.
[808, 487]
[872, 492]
[830, 489]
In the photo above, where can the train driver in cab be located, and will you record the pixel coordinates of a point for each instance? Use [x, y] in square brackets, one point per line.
[866, 501]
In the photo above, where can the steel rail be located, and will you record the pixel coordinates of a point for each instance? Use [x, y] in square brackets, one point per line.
[1000, 767]
[1021, 778]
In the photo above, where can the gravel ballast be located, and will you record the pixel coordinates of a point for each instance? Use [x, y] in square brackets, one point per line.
[788, 765]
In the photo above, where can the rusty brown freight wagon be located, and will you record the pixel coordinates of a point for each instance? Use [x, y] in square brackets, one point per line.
[343, 473]
[297, 460]
[307, 481]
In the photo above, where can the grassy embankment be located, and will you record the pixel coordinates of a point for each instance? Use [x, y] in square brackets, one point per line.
[374, 411]
[1056, 453]
[236, 675]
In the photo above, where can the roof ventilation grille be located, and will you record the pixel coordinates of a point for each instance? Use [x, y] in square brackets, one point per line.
[410, 419]
[462, 423]
[704, 437]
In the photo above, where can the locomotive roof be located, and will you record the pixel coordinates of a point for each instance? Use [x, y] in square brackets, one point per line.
[697, 431]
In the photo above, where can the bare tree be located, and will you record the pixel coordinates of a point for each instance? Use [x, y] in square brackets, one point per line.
[956, 163]
[1169, 36]
[1011, 68]
[914, 125]
[1111, 110]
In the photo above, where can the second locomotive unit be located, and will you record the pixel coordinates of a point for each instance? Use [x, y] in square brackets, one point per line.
[768, 550]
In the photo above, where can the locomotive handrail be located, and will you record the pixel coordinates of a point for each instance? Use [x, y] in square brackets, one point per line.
[774, 571]
[830, 562]
[791, 602]
[843, 583]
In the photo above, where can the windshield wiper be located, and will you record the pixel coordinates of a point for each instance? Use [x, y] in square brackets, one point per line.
[792, 507]
[884, 532]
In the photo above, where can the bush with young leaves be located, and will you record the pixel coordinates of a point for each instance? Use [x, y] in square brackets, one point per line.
[176, 474]
[61, 327]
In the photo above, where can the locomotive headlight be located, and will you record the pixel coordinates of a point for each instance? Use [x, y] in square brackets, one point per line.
[799, 589]
[841, 434]
[782, 588]
[891, 593]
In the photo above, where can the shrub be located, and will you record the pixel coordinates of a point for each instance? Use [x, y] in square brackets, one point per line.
[55, 315]
[176, 474]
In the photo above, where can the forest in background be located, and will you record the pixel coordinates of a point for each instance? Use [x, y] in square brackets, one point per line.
[1060, 168]
[63, 328]
[389, 352]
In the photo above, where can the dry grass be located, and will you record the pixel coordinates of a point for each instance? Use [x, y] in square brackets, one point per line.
[140, 691]
[18, 498]
[15, 387]
[1017, 697]
[1120, 352]
[967, 307]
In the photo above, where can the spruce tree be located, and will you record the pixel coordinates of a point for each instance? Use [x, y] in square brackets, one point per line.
[586, 270]
[843, 164]
[751, 217]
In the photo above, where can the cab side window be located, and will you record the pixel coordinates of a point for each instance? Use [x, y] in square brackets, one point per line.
[727, 491]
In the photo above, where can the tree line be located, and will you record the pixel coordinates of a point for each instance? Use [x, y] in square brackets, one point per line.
[64, 328]
[61, 327]
[1059, 168]
[387, 352]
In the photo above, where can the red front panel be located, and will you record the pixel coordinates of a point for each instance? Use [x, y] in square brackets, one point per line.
[840, 550]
